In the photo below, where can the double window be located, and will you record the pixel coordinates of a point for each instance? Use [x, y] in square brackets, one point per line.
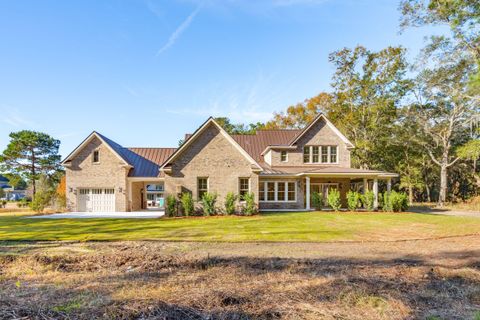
[320, 154]
[202, 187]
[277, 191]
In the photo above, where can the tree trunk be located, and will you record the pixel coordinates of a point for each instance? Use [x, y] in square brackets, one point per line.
[427, 188]
[410, 195]
[443, 185]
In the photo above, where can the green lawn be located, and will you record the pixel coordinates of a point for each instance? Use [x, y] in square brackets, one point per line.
[295, 226]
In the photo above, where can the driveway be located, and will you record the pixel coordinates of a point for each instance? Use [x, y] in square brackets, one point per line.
[115, 215]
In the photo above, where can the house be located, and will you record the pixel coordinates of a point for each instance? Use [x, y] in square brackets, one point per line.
[10, 193]
[281, 167]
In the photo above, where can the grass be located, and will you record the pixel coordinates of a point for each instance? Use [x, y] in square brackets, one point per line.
[282, 227]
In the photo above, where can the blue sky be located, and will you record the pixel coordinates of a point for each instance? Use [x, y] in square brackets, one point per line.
[144, 72]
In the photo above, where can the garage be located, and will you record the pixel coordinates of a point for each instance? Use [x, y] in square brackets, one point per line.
[96, 200]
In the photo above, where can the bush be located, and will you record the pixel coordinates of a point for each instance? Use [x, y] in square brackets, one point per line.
[230, 200]
[317, 201]
[333, 199]
[171, 203]
[250, 206]
[395, 201]
[208, 202]
[187, 203]
[41, 201]
[3, 203]
[353, 200]
[23, 203]
[368, 200]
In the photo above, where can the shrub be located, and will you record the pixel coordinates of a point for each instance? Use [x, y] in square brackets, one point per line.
[317, 201]
[395, 201]
[353, 200]
[368, 200]
[230, 200]
[187, 203]
[4, 203]
[171, 203]
[208, 202]
[250, 206]
[387, 202]
[333, 199]
[41, 201]
[61, 201]
[23, 203]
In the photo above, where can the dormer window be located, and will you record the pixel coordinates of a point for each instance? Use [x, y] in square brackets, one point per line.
[320, 154]
[96, 156]
[283, 156]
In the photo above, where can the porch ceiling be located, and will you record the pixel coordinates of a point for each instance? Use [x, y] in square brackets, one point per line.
[327, 172]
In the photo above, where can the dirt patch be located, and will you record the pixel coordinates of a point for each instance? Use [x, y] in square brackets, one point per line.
[157, 280]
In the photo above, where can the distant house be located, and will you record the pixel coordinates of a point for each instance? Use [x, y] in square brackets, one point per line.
[280, 167]
[10, 193]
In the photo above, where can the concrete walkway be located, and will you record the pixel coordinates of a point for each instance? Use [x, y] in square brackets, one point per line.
[115, 215]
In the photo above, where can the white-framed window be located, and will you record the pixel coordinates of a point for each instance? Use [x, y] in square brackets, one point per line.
[243, 187]
[320, 154]
[283, 156]
[202, 187]
[277, 191]
[155, 187]
[96, 156]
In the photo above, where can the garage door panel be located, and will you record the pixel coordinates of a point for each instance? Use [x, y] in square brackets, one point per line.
[96, 200]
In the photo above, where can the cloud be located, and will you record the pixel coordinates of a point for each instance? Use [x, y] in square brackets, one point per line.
[255, 101]
[14, 118]
[178, 32]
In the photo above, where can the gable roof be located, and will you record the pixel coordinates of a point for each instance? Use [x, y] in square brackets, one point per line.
[196, 134]
[329, 124]
[112, 145]
[255, 144]
[146, 162]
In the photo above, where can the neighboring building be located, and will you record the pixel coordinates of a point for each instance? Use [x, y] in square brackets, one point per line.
[281, 167]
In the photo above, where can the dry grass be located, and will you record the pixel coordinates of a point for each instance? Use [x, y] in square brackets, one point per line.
[157, 280]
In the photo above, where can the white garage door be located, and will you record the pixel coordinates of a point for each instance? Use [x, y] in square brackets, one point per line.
[96, 200]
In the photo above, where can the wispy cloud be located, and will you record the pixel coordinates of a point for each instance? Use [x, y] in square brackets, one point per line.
[180, 29]
[249, 103]
[14, 118]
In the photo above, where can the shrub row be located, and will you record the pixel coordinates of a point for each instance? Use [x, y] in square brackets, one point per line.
[390, 201]
[207, 205]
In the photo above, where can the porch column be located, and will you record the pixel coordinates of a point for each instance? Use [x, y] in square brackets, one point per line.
[307, 193]
[375, 193]
[365, 185]
[389, 184]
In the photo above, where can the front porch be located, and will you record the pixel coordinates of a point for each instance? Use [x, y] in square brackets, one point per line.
[146, 194]
[323, 184]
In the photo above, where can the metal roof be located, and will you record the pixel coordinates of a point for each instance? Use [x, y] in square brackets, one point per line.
[146, 162]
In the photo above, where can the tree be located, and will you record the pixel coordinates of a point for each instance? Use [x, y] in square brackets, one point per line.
[239, 128]
[301, 114]
[2, 193]
[368, 91]
[30, 154]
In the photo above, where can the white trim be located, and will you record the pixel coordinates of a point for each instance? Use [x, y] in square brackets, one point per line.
[330, 125]
[268, 148]
[145, 179]
[92, 135]
[198, 132]
[286, 158]
[329, 153]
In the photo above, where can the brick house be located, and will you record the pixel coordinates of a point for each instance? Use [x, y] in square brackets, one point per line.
[281, 167]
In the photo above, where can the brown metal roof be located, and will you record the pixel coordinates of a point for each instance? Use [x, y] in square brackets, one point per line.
[254, 144]
[146, 162]
[320, 170]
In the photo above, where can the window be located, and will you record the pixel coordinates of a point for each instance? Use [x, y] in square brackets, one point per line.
[244, 187]
[291, 191]
[277, 191]
[315, 154]
[202, 187]
[333, 154]
[270, 191]
[96, 156]
[281, 192]
[283, 156]
[324, 154]
[320, 154]
[306, 154]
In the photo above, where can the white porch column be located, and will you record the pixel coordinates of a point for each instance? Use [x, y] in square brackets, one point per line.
[365, 185]
[389, 184]
[307, 193]
[375, 193]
